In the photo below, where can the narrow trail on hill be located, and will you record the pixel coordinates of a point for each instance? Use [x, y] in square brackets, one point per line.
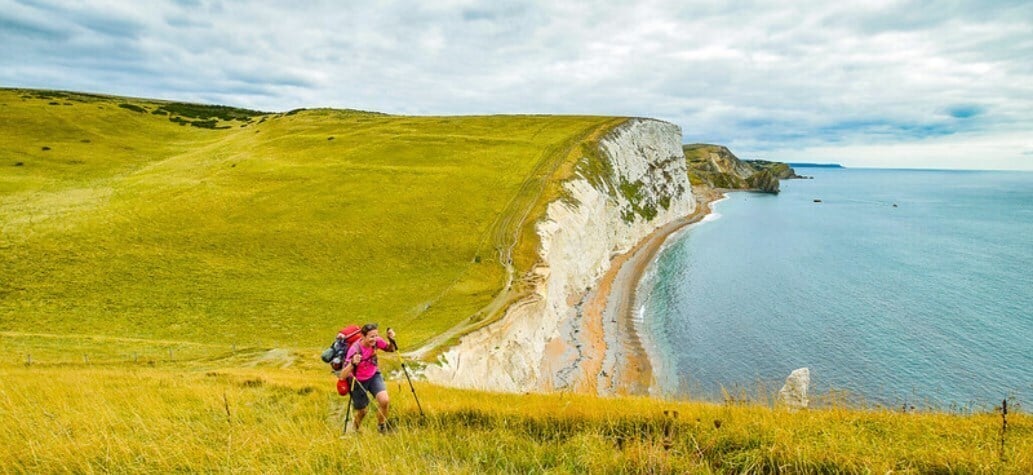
[507, 229]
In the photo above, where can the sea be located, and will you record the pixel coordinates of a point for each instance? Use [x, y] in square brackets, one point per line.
[895, 288]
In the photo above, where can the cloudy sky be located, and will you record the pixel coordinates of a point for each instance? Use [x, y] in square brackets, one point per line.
[868, 83]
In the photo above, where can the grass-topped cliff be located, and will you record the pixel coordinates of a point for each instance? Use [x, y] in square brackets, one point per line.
[169, 272]
[124, 218]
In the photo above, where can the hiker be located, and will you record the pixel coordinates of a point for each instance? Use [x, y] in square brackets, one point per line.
[362, 363]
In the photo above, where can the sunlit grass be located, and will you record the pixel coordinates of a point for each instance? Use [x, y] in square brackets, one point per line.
[272, 232]
[204, 417]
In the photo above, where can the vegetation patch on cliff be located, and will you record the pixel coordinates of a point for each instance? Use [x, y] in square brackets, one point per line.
[596, 167]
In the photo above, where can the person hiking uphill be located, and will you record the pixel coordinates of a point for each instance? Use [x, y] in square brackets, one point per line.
[362, 364]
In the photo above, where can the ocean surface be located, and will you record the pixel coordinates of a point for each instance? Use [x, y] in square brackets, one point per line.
[928, 304]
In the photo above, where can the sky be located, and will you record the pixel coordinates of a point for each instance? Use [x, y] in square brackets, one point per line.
[864, 83]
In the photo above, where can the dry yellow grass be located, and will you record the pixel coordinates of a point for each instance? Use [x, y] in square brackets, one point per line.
[204, 416]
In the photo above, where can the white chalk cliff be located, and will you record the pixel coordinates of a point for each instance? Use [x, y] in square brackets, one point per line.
[636, 184]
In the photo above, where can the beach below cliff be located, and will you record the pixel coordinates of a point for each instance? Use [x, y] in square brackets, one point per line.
[618, 361]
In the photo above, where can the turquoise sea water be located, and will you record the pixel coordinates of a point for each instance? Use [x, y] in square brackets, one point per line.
[929, 302]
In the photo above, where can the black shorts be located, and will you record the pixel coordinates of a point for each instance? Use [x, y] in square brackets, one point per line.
[358, 393]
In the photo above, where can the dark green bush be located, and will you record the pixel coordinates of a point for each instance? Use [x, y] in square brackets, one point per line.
[201, 111]
[132, 107]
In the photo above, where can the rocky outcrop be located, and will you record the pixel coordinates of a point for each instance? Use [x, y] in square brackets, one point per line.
[718, 167]
[763, 181]
[782, 171]
[793, 394]
[717, 159]
[634, 182]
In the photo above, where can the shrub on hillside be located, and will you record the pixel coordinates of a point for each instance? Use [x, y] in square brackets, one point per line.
[201, 111]
[132, 107]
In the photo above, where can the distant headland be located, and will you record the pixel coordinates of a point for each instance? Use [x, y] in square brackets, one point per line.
[816, 165]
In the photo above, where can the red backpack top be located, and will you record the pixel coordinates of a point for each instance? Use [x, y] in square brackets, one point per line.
[350, 334]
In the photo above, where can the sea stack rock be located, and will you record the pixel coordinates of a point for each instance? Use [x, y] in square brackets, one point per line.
[794, 393]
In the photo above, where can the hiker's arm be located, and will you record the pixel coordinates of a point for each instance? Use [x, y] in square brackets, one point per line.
[392, 346]
[350, 365]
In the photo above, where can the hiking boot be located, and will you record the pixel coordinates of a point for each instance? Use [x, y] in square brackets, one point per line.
[386, 427]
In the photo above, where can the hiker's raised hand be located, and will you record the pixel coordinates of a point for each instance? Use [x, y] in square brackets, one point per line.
[390, 334]
[356, 359]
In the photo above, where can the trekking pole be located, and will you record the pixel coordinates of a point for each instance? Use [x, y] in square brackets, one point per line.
[413, 389]
[348, 413]
[409, 379]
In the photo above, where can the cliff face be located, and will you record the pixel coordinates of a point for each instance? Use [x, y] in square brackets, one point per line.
[716, 166]
[634, 183]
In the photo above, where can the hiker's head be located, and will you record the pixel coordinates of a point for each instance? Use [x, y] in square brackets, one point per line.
[369, 333]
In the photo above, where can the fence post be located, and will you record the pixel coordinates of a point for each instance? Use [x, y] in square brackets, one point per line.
[1004, 424]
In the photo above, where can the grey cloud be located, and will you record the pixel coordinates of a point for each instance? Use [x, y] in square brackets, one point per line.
[183, 22]
[757, 76]
[11, 28]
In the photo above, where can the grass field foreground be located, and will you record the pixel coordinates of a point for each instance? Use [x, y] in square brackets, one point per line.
[188, 417]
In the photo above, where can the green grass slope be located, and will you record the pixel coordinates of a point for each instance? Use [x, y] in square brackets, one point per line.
[147, 219]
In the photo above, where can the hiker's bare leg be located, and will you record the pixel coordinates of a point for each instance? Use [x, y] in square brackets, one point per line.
[382, 401]
[359, 414]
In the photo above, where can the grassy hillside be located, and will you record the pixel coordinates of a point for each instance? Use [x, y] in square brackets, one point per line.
[125, 217]
[198, 418]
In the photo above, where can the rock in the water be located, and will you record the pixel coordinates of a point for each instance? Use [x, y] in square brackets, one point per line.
[794, 392]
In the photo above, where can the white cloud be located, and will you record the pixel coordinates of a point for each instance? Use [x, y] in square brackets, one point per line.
[848, 79]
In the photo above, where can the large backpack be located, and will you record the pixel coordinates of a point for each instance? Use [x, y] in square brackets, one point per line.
[336, 352]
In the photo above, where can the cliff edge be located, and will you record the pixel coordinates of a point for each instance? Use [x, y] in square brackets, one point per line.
[632, 183]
